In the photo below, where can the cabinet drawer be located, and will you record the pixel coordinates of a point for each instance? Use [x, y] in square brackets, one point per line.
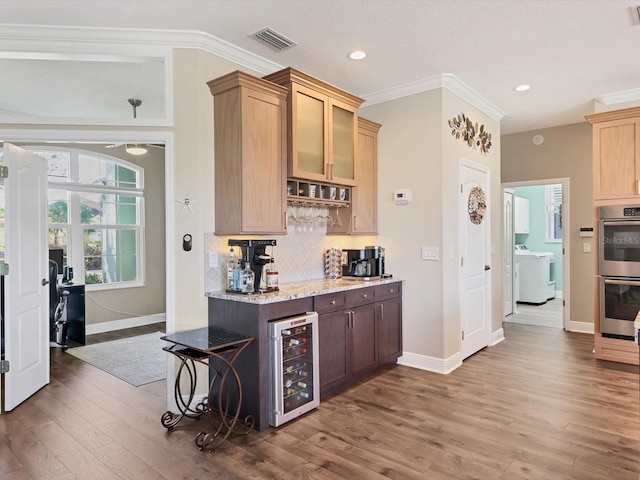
[277, 310]
[329, 302]
[389, 290]
[361, 296]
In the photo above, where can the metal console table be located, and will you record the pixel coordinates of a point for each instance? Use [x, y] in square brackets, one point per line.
[217, 348]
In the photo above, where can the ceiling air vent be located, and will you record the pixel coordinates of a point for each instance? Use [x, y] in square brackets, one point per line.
[274, 39]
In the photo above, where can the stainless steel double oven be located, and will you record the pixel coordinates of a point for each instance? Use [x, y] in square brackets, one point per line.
[619, 269]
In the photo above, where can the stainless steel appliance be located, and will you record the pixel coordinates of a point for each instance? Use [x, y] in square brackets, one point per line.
[295, 381]
[619, 241]
[365, 263]
[619, 306]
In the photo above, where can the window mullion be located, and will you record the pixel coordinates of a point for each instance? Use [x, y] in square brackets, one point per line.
[77, 236]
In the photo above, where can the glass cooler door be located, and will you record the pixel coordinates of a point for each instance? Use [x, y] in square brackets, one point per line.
[294, 367]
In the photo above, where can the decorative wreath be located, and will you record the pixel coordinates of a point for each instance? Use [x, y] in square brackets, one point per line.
[477, 205]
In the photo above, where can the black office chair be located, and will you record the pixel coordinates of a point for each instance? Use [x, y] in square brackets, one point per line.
[57, 307]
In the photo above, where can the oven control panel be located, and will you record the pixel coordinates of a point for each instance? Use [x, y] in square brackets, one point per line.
[631, 212]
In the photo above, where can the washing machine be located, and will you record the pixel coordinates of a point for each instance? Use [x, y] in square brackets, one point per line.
[536, 275]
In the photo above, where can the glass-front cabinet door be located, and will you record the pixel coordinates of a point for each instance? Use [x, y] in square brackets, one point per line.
[310, 152]
[323, 137]
[342, 143]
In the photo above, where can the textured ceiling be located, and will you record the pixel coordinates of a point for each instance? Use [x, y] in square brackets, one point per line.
[570, 51]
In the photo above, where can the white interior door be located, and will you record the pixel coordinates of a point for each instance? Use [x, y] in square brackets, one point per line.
[26, 290]
[475, 241]
[509, 234]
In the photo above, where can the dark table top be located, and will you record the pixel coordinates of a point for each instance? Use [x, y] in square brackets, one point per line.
[207, 339]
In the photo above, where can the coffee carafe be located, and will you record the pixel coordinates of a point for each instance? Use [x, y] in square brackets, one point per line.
[365, 263]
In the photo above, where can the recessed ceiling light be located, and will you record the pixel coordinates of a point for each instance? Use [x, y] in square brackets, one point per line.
[357, 55]
[523, 88]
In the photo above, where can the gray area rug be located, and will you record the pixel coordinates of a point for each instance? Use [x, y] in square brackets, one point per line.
[136, 360]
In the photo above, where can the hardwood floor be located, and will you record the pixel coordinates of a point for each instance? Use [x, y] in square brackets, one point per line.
[536, 406]
[546, 315]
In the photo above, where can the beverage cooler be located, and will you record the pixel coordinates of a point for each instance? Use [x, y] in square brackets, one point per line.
[295, 387]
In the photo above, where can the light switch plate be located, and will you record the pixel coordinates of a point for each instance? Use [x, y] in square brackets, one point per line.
[586, 247]
[430, 253]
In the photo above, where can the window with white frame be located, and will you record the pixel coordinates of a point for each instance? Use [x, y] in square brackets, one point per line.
[553, 202]
[96, 216]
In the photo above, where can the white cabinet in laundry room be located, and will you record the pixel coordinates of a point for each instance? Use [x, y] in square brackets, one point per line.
[521, 221]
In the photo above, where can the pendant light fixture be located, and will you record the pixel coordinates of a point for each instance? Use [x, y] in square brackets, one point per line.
[135, 148]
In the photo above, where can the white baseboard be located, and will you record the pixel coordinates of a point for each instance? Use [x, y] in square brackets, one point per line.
[442, 365]
[581, 327]
[431, 364]
[496, 337]
[124, 323]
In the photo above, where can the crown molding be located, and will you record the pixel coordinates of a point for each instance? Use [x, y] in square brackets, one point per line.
[632, 95]
[78, 40]
[445, 80]
[56, 39]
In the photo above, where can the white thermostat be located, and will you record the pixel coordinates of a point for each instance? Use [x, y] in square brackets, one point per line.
[402, 196]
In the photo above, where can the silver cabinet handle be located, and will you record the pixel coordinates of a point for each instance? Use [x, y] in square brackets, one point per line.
[381, 311]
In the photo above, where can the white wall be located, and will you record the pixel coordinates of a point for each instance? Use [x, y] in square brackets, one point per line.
[416, 150]
[409, 153]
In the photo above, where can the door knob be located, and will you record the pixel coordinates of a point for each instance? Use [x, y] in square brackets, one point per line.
[487, 267]
[45, 282]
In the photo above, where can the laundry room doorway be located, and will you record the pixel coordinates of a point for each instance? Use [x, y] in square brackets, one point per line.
[539, 253]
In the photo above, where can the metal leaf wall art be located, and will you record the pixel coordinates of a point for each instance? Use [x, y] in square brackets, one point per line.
[474, 136]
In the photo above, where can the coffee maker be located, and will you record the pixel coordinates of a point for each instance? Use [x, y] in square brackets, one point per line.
[254, 252]
[366, 263]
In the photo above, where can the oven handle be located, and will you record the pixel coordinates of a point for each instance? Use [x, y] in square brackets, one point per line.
[611, 281]
[620, 223]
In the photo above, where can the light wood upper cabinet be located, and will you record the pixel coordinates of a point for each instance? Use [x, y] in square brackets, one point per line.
[250, 155]
[616, 154]
[322, 123]
[364, 197]
[361, 217]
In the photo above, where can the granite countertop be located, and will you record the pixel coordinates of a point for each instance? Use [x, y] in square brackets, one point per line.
[307, 288]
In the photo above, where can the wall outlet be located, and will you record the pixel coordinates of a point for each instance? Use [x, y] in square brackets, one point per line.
[430, 253]
[213, 259]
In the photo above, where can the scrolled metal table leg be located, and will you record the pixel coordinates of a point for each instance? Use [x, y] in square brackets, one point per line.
[223, 413]
[170, 419]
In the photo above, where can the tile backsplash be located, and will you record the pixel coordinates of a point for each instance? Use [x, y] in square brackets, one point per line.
[298, 255]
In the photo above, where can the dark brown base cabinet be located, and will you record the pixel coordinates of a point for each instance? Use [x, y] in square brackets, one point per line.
[358, 334]
[359, 331]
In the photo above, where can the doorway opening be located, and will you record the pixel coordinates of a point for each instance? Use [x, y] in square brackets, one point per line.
[105, 142]
[536, 262]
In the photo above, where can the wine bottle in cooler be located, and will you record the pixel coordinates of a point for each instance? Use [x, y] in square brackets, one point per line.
[293, 367]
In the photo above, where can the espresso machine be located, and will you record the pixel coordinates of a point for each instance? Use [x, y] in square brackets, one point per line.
[255, 252]
[364, 264]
